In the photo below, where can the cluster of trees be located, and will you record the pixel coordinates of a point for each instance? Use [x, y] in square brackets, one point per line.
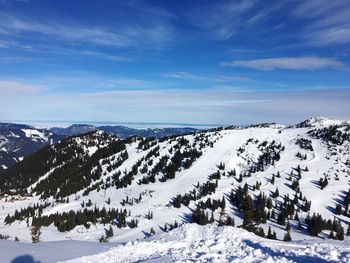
[27, 212]
[73, 164]
[151, 177]
[203, 190]
[146, 143]
[332, 134]
[212, 204]
[339, 210]
[316, 224]
[270, 155]
[202, 140]
[168, 227]
[301, 156]
[152, 154]
[112, 163]
[67, 221]
[201, 217]
[305, 144]
[260, 209]
[180, 159]
[323, 182]
[168, 166]
[253, 211]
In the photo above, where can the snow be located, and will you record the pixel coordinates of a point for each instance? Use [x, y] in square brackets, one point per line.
[157, 196]
[194, 243]
[48, 252]
[35, 134]
[188, 243]
[191, 242]
[324, 122]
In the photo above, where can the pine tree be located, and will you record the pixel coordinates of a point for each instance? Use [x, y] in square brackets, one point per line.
[103, 239]
[36, 232]
[276, 193]
[340, 233]
[110, 232]
[287, 237]
[338, 209]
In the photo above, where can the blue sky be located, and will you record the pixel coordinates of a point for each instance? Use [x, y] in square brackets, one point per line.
[224, 62]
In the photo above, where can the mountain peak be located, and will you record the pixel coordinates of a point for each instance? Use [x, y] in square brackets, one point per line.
[320, 122]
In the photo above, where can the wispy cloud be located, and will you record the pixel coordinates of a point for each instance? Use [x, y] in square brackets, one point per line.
[222, 19]
[184, 75]
[229, 78]
[292, 63]
[327, 22]
[103, 55]
[151, 33]
[225, 19]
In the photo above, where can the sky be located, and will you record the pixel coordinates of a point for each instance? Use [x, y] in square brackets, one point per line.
[195, 61]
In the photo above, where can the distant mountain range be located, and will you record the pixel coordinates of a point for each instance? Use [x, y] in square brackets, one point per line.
[122, 131]
[19, 140]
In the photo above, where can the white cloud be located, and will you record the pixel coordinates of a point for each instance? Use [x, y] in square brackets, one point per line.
[327, 22]
[17, 88]
[184, 75]
[153, 33]
[222, 19]
[205, 77]
[293, 63]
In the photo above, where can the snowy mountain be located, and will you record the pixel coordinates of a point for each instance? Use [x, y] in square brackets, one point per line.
[18, 140]
[276, 182]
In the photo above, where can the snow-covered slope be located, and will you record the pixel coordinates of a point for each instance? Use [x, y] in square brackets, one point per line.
[19, 140]
[142, 188]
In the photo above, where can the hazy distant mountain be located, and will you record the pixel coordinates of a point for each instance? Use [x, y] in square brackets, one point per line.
[124, 132]
[74, 129]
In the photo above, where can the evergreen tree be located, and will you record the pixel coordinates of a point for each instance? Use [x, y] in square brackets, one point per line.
[110, 232]
[36, 232]
[287, 237]
[338, 209]
[276, 193]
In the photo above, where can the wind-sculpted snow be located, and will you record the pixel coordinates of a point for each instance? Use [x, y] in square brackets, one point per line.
[193, 243]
